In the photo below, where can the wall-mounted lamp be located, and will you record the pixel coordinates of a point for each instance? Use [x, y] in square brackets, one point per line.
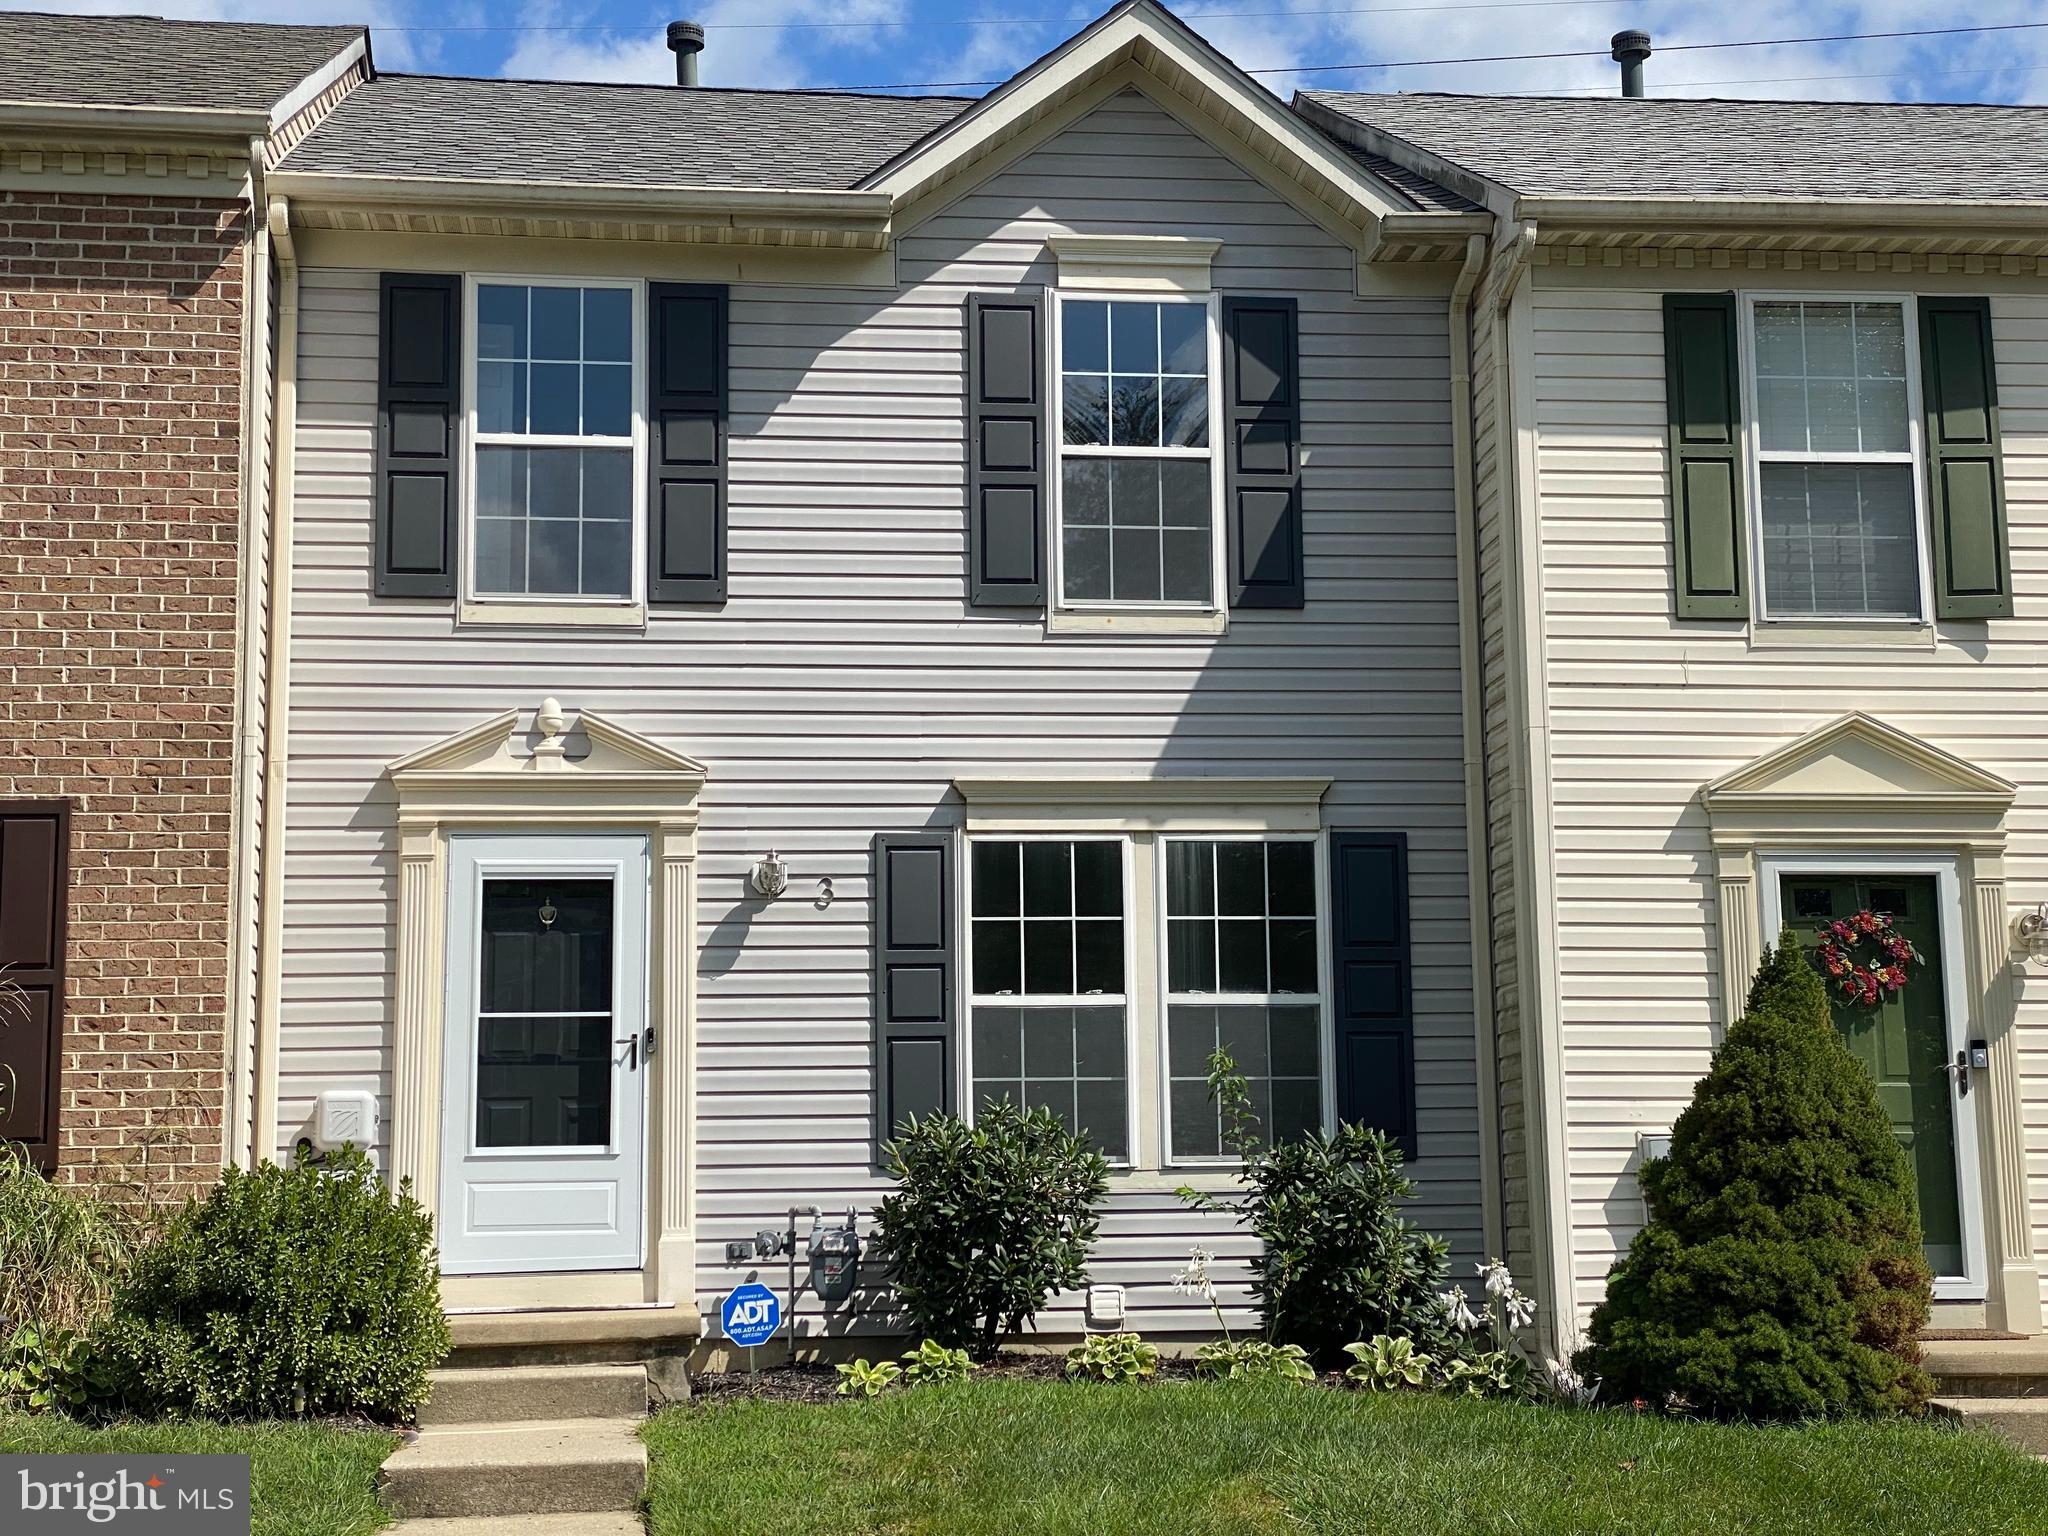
[2030, 930]
[771, 875]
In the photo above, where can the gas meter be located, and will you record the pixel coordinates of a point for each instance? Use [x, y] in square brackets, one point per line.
[835, 1259]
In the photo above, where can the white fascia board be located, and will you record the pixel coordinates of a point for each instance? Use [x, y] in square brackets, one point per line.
[1127, 32]
[308, 90]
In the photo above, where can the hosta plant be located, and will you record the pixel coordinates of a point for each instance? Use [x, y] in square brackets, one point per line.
[44, 1370]
[932, 1362]
[867, 1378]
[1232, 1359]
[1113, 1357]
[1496, 1373]
[1384, 1363]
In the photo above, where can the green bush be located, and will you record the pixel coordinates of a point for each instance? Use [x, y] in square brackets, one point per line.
[1237, 1359]
[1113, 1357]
[1337, 1262]
[931, 1364]
[62, 1251]
[988, 1221]
[1780, 1275]
[284, 1292]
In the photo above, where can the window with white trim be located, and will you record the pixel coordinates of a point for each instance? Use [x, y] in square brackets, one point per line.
[1050, 1010]
[1058, 1015]
[554, 443]
[1242, 976]
[1833, 408]
[1137, 496]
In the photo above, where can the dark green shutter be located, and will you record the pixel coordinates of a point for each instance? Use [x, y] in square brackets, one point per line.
[1966, 483]
[1261, 432]
[1374, 986]
[1006, 450]
[419, 433]
[687, 407]
[912, 895]
[1703, 398]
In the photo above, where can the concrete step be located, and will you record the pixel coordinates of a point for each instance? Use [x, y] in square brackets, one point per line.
[2023, 1421]
[526, 1393]
[525, 1525]
[572, 1336]
[1988, 1367]
[567, 1466]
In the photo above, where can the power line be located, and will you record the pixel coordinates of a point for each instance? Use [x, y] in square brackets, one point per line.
[1022, 21]
[1521, 58]
[1688, 85]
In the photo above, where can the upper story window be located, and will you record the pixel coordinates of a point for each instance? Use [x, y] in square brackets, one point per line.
[1137, 496]
[556, 427]
[1834, 405]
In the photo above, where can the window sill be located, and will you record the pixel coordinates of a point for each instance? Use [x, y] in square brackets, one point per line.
[1902, 635]
[1208, 1179]
[553, 615]
[1089, 621]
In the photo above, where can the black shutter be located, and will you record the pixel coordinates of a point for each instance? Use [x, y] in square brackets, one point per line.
[35, 838]
[1262, 451]
[686, 417]
[912, 894]
[1966, 481]
[1375, 992]
[1006, 451]
[1702, 398]
[419, 433]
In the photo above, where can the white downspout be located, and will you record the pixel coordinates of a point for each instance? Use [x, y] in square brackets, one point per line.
[236, 1128]
[1478, 864]
[276, 724]
[1534, 886]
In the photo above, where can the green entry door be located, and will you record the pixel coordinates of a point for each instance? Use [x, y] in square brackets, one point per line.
[1903, 1040]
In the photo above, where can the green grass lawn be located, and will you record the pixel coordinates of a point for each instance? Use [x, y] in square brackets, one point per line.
[306, 1479]
[1038, 1458]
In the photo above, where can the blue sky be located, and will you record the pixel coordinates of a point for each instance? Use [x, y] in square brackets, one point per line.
[891, 42]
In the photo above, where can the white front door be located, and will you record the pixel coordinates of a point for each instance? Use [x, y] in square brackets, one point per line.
[543, 1110]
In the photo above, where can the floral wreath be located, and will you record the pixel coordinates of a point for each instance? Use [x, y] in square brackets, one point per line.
[1861, 981]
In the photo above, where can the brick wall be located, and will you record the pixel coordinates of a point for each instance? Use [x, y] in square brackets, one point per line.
[120, 379]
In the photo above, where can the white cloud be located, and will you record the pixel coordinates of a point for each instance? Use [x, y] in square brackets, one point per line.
[739, 48]
[394, 49]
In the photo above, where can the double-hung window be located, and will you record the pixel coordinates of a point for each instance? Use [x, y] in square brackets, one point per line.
[1107, 1008]
[556, 427]
[1242, 976]
[1050, 1011]
[1137, 497]
[1834, 410]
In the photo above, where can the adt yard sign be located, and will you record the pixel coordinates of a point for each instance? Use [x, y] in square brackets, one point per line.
[749, 1315]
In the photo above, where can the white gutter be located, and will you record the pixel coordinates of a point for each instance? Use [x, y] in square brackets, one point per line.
[270, 920]
[1535, 887]
[527, 198]
[1951, 216]
[1478, 863]
[74, 116]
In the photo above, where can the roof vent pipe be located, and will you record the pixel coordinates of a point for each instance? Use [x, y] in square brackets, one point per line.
[686, 41]
[1629, 49]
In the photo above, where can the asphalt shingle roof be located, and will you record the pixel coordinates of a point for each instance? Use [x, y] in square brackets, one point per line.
[1546, 146]
[144, 61]
[636, 135]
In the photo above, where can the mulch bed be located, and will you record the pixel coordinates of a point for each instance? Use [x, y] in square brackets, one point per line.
[804, 1383]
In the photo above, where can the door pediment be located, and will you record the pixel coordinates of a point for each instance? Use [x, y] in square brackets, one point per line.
[1861, 762]
[498, 770]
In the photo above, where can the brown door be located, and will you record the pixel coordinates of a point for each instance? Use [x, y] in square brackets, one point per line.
[35, 836]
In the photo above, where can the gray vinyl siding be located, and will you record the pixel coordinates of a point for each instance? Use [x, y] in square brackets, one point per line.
[845, 683]
[1645, 710]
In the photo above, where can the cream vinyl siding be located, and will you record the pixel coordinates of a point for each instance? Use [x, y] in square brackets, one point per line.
[845, 683]
[1644, 710]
